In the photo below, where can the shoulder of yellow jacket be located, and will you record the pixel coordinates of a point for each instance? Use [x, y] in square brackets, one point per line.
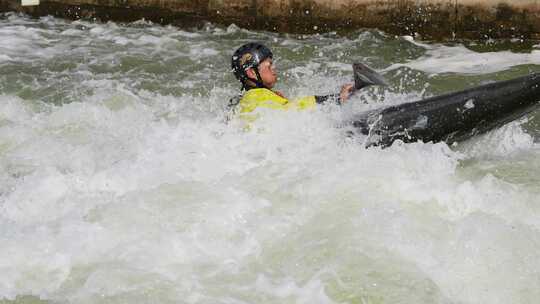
[261, 97]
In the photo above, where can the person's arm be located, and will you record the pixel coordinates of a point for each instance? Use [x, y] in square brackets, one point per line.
[332, 98]
[337, 98]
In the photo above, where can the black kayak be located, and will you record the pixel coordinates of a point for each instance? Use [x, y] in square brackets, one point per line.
[451, 117]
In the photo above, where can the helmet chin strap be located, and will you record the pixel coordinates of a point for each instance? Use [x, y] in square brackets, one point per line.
[258, 83]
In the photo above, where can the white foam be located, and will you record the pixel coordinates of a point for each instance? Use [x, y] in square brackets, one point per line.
[504, 141]
[130, 187]
[458, 59]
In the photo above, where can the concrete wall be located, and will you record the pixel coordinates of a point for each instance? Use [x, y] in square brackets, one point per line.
[429, 19]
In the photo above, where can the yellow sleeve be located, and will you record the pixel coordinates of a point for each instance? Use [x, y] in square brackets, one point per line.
[305, 103]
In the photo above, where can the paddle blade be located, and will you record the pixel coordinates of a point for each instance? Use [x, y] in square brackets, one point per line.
[365, 76]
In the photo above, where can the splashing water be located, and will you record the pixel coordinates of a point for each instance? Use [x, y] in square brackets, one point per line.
[120, 182]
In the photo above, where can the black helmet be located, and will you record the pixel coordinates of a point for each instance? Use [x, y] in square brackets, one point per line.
[249, 56]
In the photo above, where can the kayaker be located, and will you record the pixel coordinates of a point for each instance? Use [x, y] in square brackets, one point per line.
[252, 64]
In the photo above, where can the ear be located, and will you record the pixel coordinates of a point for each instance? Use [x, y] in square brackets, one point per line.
[251, 73]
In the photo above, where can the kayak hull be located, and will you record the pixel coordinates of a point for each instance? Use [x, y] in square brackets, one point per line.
[451, 117]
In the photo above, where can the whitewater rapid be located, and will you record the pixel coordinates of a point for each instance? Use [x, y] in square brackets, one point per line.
[121, 180]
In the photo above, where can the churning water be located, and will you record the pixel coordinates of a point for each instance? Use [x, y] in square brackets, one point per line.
[121, 182]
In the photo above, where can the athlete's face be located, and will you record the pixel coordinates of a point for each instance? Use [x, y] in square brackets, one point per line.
[267, 72]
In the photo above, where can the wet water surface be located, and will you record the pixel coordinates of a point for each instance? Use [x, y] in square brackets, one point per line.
[120, 181]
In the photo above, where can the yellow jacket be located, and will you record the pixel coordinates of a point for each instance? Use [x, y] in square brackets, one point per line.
[265, 98]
